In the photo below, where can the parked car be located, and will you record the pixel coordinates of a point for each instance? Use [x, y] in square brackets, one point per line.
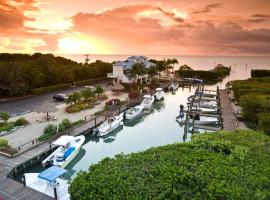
[90, 87]
[60, 97]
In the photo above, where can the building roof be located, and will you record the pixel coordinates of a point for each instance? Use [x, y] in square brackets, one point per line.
[52, 173]
[132, 60]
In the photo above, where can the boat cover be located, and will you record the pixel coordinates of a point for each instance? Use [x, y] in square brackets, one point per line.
[52, 173]
[63, 140]
[68, 152]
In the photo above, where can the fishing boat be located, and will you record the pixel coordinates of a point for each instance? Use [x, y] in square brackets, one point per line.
[159, 95]
[67, 149]
[147, 102]
[200, 120]
[133, 112]
[173, 87]
[109, 125]
[49, 182]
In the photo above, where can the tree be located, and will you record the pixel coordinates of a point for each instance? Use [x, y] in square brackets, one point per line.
[138, 70]
[99, 90]
[184, 71]
[152, 71]
[4, 116]
[87, 94]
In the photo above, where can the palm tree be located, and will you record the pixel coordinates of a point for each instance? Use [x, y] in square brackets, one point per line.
[152, 71]
[185, 71]
[138, 70]
[99, 90]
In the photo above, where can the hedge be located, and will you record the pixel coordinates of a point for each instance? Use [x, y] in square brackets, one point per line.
[221, 165]
[43, 90]
[260, 73]
[90, 81]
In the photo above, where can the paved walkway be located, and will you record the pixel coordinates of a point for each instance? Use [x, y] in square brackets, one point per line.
[229, 121]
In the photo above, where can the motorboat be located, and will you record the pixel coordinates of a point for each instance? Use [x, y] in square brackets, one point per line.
[109, 125]
[173, 87]
[67, 149]
[49, 182]
[147, 102]
[133, 112]
[200, 120]
[159, 95]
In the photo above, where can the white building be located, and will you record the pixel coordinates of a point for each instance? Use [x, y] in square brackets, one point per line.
[119, 68]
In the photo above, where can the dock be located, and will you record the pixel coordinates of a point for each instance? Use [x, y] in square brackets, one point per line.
[225, 114]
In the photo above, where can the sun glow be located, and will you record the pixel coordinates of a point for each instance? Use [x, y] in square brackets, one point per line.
[80, 44]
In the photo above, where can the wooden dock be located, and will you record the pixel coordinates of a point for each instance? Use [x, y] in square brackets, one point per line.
[211, 128]
[229, 120]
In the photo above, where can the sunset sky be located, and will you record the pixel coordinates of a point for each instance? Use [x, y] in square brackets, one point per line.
[162, 27]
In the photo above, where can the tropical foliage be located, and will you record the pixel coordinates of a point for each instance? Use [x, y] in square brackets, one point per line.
[210, 76]
[7, 126]
[22, 74]
[220, 165]
[3, 143]
[259, 73]
[4, 116]
[254, 98]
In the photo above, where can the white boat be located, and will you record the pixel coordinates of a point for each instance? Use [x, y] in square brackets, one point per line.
[147, 102]
[109, 125]
[133, 112]
[159, 94]
[205, 110]
[200, 120]
[173, 87]
[67, 149]
[49, 181]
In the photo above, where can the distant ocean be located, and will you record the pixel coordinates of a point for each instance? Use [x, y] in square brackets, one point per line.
[241, 65]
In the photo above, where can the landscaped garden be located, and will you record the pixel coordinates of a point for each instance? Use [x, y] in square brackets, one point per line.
[7, 126]
[85, 99]
[222, 165]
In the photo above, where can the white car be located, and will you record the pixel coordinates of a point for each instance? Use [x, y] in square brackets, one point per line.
[90, 87]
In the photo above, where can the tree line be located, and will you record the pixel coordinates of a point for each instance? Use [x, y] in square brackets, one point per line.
[20, 73]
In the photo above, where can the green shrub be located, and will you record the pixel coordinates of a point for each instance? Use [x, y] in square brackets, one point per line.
[213, 166]
[4, 116]
[21, 122]
[3, 142]
[264, 122]
[259, 73]
[43, 90]
[51, 128]
[65, 124]
[7, 126]
[80, 121]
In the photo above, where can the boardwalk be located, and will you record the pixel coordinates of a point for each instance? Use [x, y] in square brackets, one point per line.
[229, 121]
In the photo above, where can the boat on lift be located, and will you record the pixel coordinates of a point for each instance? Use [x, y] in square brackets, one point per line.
[147, 102]
[133, 112]
[173, 87]
[200, 120]
[110, 124]
[159, 95]
[67, 149]
[49, 182]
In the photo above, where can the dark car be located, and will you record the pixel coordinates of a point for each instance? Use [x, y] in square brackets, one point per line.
[60, 97]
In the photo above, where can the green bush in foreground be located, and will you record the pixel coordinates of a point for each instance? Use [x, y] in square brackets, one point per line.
[213, 166]
[21, 122]
[264, 123]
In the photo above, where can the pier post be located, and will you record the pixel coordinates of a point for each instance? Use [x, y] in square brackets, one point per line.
[23, 180]
[55, 193]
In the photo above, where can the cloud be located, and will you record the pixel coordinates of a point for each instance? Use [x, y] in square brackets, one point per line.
[259, 18]
[208, 8]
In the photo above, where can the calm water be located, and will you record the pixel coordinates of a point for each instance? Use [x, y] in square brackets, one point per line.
[158, 126]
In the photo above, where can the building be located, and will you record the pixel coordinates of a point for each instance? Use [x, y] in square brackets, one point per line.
[120, 67]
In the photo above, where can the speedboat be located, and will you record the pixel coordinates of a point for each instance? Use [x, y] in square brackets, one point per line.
[133, 112]
[159, 94]
[67, 149]
[147, 102]
[173, 87]
[49, 182]
[200, 120]
[109, 125]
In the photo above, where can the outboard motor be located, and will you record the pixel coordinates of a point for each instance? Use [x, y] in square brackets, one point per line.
[197, 117]
[181, 108]
[124, 115]
[48, 163]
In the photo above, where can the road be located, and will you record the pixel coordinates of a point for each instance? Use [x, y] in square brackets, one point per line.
[29, 104]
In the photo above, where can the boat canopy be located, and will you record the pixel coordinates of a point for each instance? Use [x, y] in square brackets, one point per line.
[159, 89]
[146, 96]
[63, 140]
[52, 173]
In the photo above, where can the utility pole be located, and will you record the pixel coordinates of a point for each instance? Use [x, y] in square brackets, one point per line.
[87, 59]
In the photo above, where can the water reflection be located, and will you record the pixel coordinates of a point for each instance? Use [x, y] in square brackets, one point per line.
[71, 165]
